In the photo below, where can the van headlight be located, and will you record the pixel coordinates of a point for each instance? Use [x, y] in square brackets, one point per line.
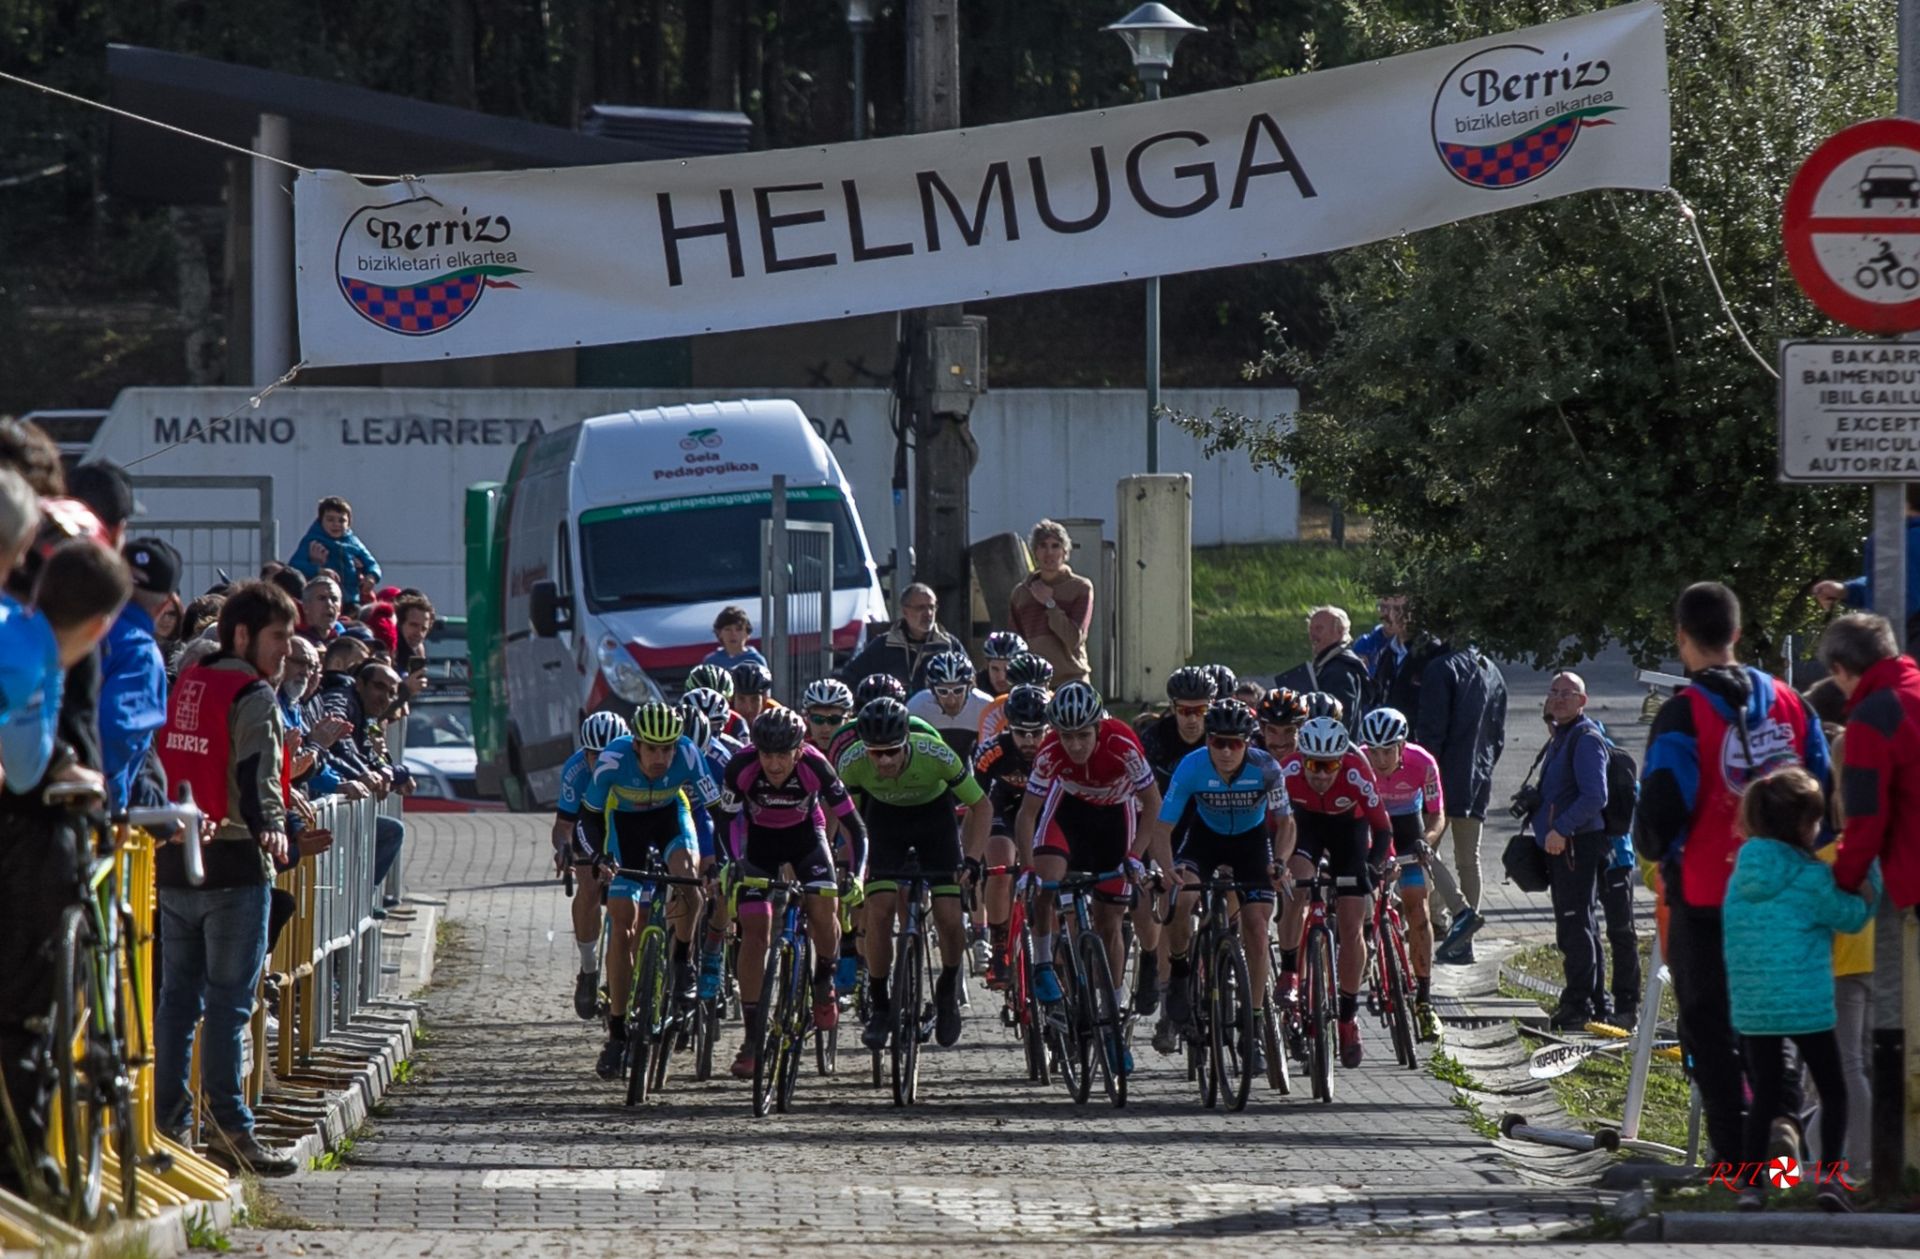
[621, 673]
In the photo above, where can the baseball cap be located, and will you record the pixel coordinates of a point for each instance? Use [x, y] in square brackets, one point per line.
[155, 565]
[105, 487]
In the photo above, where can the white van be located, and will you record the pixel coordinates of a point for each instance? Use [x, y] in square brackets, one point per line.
[612, 546]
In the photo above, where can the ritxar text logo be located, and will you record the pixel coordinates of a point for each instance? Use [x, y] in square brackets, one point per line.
[1783, 1172]
[1506, 116]
[418, 267]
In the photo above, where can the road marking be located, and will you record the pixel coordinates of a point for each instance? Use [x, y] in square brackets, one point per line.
[594, 1179]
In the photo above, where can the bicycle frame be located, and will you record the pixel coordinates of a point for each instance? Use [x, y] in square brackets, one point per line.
[914, 891]
[1098, 1020]
[654, 1010]
[785, 1011]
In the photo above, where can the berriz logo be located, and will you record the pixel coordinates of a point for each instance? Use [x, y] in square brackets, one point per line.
[1507, 115]
[417, 267]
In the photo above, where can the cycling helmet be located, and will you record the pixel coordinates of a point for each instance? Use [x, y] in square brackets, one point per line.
[600, 729]
[1321, 704]
[827, 693]
[1223, 679]
[657, 721]
[949, 667]
[1003, 645]
[752, 679]
[1382, 727]
[1074, 706]
[1232, 719]
[778, 730]
[709, 703]
[1323, 739]
[1282, 707]
[697, 728]
[1026, 708]
[1192, 684]
[874, 685]
[883, 722]
[712, 677]
[1027, 669]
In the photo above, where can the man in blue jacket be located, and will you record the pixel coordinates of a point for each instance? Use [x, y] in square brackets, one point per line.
[133, 673]
[1567, 825]
[1463, 722]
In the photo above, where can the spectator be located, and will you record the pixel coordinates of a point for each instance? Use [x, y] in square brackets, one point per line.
[1728, 727]
[320, 610]
[330, 545]
[1858, 593]
[1401, 670]
[1381, 648]
[364, 700]
[731, 629]
[1880, 779]
[288, 579]
[133, 673]
[201, 615]
[106, 488]
[379, 618]
[223, 736]
[1334, 668]
[1462, 704]
[414, 612]
[19, 518]
[1782, 908]
[1573, 795]
[28, 451]
[1053, 608]
[903, 651]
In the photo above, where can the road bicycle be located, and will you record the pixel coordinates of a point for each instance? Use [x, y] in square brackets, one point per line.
[1089, 1027]
[1389, 973]
[657, 1014]
[786, 1005]
[907, 985]
[710, 1011]
[1020, 1008]
[1222, 1027]
[1311, 1033]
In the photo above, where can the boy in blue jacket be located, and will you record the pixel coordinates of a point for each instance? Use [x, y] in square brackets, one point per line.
[330, 544]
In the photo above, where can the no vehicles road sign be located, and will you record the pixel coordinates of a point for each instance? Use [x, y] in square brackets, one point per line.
[1850, 411]
[1852, 226]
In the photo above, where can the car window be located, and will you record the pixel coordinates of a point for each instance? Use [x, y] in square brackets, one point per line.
[439, 726]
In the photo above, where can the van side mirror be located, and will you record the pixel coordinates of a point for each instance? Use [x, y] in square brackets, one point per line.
[548, 612]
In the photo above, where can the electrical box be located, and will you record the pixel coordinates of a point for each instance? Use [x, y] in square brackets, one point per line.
[1154, 607]
[959, 367]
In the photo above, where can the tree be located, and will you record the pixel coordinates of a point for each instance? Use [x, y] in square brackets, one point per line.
[1546, 411]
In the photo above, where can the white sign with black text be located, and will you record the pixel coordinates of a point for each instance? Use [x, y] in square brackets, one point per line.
[1850, 410]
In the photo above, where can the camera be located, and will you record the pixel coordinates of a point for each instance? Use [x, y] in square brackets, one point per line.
[1526, 802]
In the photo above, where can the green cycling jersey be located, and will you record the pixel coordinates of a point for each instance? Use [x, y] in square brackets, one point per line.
[932, 770]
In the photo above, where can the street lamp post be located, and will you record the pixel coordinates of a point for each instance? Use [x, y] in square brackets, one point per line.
[1152, 32]
[859, 22]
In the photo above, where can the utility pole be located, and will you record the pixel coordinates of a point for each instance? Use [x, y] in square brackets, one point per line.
[946, 350]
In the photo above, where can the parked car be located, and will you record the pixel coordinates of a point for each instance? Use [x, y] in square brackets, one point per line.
[439, 751]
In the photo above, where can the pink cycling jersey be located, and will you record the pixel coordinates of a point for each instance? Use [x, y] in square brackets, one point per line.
[1415, 786]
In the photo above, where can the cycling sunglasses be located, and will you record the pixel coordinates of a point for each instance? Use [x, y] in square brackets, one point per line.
[1318, 766]
[887, 754]
[1190, 710]
[1029, 732]
[951, 691]
[826, 719]
[1225, 742]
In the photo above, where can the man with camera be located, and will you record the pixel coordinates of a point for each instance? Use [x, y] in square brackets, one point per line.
[1564, 814]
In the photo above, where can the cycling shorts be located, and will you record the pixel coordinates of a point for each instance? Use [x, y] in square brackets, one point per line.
[769, 847]
[1094, 838]
[930, 829]
[1249, 855]
[1343, 841]
[634, 833]
[1407, 836]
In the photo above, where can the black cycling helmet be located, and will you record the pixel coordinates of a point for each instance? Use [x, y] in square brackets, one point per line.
[1232, 719]
[778, 730]
[1223, 679]
[1027, 709]
[1321, 704]
[752, 679]
[1027, 669]
[1191, 684]
[1282, 707]
[874, 685]
[1003, 645]
[883, 723]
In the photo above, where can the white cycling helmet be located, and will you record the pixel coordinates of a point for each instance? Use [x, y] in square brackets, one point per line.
[827, 693]
[1074, 706]
[1383, 727]
[600, 729]
[709, 703]
[1322, 739]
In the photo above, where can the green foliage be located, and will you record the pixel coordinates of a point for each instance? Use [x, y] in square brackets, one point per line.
[403, 1071]
[1250, 603]
[204, 1233]
[1545, 410]
[335, 1159]
[1446, 1068]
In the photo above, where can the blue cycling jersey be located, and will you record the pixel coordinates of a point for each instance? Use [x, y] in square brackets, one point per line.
[1226, 807]
[617, 785]
[573, 782]
[31, 681]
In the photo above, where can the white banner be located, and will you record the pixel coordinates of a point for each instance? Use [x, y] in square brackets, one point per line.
[450, 266]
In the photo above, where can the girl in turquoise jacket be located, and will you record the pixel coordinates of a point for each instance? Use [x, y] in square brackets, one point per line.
[1778, 920]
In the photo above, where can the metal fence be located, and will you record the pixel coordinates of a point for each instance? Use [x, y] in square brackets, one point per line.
[219, 524]
[796, 598]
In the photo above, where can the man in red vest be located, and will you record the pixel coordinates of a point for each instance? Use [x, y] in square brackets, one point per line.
[225, 736]
[1880, 779]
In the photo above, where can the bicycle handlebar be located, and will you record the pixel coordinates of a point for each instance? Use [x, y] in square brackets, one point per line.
[188, 817]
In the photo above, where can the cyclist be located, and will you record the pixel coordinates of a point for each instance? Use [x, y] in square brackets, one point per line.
[827, 705]
[752, 690]
[780, 789]
[646, 780]
[1089, 778]
[721, 719]
[951, 703]
[718, 751]
[871, 687]
[1409, 781]
[1234, 805]
[1168, 741]
[1224, 683]
[711, 677]
[910, 783]
[1003, 766]
[1337, 814]
[1280, 713]
[1000, 649]
[569, 847]
[1025, 669]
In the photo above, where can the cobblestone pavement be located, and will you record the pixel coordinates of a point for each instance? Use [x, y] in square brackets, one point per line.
[506, 1131]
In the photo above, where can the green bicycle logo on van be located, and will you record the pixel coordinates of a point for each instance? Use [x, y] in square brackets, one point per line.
[708, 437]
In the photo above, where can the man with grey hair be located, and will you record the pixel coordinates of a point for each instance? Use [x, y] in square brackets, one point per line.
[19, 517]
[905, 648]
[1880, 776]
[1334, 668]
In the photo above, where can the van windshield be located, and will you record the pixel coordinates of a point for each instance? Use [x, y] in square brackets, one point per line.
[692, 550]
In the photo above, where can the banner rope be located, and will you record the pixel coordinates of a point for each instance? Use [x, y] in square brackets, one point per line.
[253, 402]
[1706, 259]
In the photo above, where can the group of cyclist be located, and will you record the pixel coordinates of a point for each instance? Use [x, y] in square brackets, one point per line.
[986, 795]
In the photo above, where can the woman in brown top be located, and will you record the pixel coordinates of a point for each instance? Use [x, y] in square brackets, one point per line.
[1053, 607]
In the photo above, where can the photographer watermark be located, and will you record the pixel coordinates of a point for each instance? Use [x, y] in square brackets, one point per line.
[1783, 1172]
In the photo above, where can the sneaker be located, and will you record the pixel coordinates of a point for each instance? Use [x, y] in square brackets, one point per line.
[1569, 1018]
[1179, 1002]
[982, 953]
[1350, 1051]
[1126, 1061]
[879, 1027]
[846, 973]
[586, 993]
[1753, 1198]
[1457, 945]
[1426, 1024]
[946, 1000]
[613, 1058]
[744, 1063]
[826, 1006]
[685, 986]
[1627, 1016]
[1046, 985]
[1146, 987]
[1832, 1201]
[713, 969]
[242, 1152]
[997, 972]
[1256, 1055]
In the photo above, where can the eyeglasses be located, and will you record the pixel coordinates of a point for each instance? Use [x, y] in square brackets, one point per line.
[952, 691]
[1317, 766]
[918, 607]
[826, 719]
[1190, 710]
[1225, 742]
[887, 754]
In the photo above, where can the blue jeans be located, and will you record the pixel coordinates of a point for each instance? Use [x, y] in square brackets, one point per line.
[388, 834]
[213, 943]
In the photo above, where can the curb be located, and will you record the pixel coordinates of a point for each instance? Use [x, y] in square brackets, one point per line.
[1789, 1228]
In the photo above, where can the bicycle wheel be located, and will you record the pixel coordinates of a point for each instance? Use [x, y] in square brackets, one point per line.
[826, 1050]
[706, 1034]
[1393, 960]
[83, 1135]
[643, 1015]
[1200, 1067]
[909, 987]
[1031, 1020]
[1068, 1023]
[1277, 1077]
[799, 1017]
[772, 1019]
[1107, 1031]
[1321, 996]
[1233, 1027]
[863, 1010]
[123, 1052]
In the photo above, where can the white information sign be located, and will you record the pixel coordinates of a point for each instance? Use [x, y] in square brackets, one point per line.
[1850, 411]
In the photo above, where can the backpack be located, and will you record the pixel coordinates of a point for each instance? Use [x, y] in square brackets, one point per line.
[1623, 787]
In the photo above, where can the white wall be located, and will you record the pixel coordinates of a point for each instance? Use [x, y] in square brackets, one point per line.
[404, 457]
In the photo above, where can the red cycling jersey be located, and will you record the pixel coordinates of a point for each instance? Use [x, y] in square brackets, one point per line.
[1116, 773]
[1354, 795]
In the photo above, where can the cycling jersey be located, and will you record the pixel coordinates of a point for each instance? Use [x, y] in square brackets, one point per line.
[932, 770]
[618, 786]
[962, 730]
[1003, 767]
[1166, 749]
[31, 682]
[993, 722]
[1415, 786]
[574, 776]
[1347, 823]
[799, 804]
[1116, 772]
[1226, 806]
[914, 810]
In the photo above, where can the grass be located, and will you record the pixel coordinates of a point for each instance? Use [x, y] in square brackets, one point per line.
[403, 1071]
[261, 1209]
[1447, 1069]
[336, 1159]
[1250, 603]
[204, 1234]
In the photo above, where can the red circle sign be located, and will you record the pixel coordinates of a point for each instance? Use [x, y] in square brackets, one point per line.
[1852, 225]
